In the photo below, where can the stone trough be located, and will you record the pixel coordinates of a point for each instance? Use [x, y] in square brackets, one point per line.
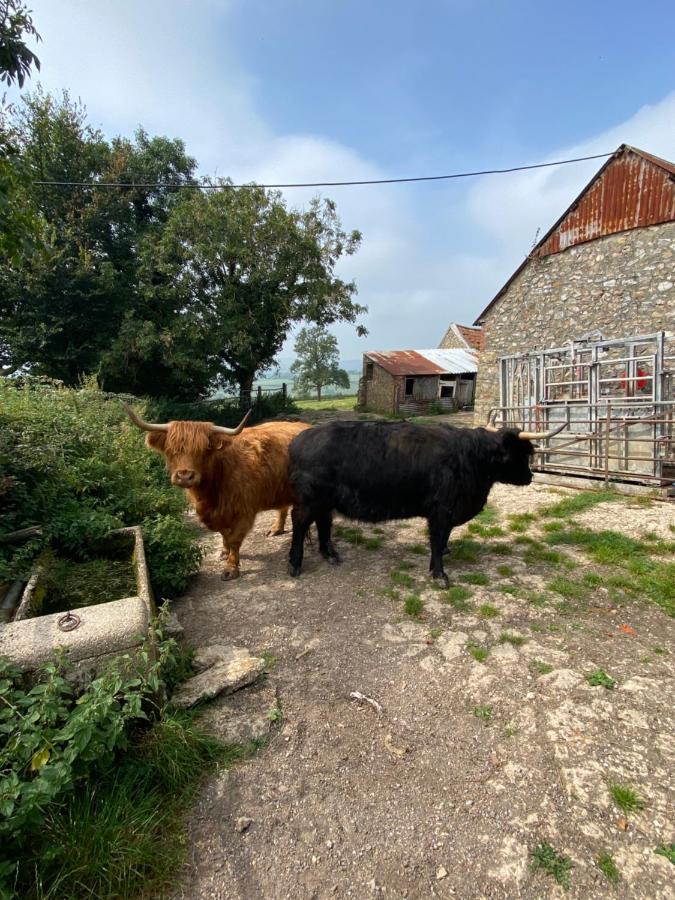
[91, 635]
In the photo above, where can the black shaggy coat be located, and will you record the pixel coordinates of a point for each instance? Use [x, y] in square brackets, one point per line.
[376, 471]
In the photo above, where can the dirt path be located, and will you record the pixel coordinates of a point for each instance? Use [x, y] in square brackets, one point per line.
[473, 762]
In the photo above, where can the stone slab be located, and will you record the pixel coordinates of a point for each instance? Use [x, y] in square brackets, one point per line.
[222, 669]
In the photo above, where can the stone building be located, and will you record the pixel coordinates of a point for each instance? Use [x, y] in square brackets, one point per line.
[605, 269]
[462, 337]
[417, 381]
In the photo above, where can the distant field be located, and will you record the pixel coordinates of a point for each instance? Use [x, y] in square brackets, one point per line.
[328, 403]
[274, 384]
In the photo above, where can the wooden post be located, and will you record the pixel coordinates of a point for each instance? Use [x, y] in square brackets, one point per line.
[258, 398]
[284, 394]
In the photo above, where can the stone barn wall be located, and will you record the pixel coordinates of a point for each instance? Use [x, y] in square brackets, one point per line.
[622, 284]
[377, 394]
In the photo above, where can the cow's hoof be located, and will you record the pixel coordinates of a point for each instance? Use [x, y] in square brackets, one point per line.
[334, 560]
[229, 575]
[442, 579]
[273, 532]
[294, 571]
[446, 551]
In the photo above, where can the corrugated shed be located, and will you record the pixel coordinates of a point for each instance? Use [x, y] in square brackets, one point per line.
[633, 189]
[424, 362]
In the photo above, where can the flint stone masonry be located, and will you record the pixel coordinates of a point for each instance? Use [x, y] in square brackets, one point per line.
[622, 284]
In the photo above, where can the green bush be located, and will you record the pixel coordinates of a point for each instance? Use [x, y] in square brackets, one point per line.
[172, 552]
[225, 411]
[71, 461]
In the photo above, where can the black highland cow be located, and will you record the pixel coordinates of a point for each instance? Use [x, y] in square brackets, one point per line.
[376, 471]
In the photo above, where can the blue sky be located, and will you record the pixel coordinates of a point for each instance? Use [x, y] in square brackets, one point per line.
[291, 90]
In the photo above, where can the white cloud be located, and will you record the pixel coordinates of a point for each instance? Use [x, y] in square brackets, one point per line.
[169, 65]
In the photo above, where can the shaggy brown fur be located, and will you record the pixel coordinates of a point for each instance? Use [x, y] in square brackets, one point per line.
[232, 479]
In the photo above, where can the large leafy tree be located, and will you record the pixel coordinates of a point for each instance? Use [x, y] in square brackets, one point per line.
[16, 59]
[318, 361]
[63, 306]
[248, 267]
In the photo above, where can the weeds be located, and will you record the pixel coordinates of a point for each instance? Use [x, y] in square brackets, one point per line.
[355, 535]
[516, 640]
[544, 858]
[435, 633]
[505, 571]
[540, 668]
[484, 713]
[457, 597]
[417, 549]
[270, 659]
[487, 611]
[598, 678]
[464, 550]
[499, 549]
[391, 593]
[667, 850]
[414, 606]
[572, 590]
[627, 799]
[578, 503]
[401, 578]
[608, 867]
[479, 653]
[478, 578]
[520, 522]
[486, 531]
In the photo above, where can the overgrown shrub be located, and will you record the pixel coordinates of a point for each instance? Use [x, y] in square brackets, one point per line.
[71, 461]
[93, 784]
[172, 552]
[225, 411]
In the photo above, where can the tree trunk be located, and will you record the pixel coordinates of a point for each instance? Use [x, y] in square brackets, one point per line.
[245, 388]
[318, 392]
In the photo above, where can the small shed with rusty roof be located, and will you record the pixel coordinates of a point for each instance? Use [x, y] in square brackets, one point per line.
[410, 382]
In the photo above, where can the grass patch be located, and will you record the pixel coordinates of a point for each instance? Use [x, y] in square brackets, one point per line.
[464, 550]
[627, 799]
[405, 566]
[401, 578]
[572, 590]
[486, 531]
[487, 516]
[499, 549]
[598, 678]
[520, 522]
[479, 653]
[457, 597]
[355, 535]
[435, 633]
[545, 859]
[539, 668]
[487, 611]
[483, 712]
[592, 579]
[414, 606]
[516, 640]
[391, 594]
[577, 503]
[475, 578]
[608, 867]
[417, 549]
[537, 553]
[124, 835]
[270, 659]
[328, 403]
[667, 850]
[505, 571]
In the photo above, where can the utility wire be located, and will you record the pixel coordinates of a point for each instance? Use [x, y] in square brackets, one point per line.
[312, 184]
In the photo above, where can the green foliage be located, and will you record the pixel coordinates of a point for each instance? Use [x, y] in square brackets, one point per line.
[457, 595]
[573, 590]
[354, 535]
[225, 411]
[667, 850]
[521, 521]
[479, 653]
[544, 858]
[484, 713]
[607, 866]
[71, 585]
[71, 462]
[539, 667]
[478, 578]
[16, 60]
[626, 798]
[401, 578]
[578, 503]
[599, 678]
[464, 550]
[414, 606]
[487, 611]
[516, 640]
[318, 361]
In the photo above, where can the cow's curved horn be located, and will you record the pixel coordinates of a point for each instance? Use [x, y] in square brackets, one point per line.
[540, 435]
[220, 429]
[145, 426]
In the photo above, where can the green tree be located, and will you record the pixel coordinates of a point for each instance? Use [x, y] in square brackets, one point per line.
[73, 302]
[248, 267]
[318, 362]
[16, 59]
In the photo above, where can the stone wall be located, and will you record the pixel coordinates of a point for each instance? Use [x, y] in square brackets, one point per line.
[377, 394]
[623, 284]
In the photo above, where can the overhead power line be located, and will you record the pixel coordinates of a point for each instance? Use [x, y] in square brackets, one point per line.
[312, 184]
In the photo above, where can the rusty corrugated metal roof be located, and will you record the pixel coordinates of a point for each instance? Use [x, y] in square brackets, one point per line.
[424, 362]
[633, 189]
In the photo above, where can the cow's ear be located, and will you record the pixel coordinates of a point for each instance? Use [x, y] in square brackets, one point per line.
[156, 440]
[215, 442]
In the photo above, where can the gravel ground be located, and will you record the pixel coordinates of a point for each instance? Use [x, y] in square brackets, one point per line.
[469, 765]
